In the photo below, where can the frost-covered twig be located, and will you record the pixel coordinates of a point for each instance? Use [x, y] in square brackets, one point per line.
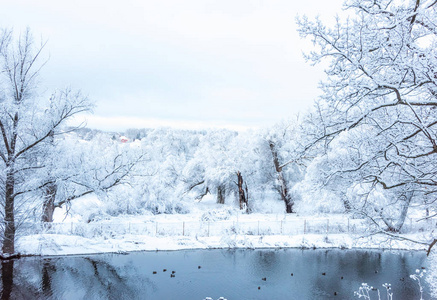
[419, 274]
[363, 291]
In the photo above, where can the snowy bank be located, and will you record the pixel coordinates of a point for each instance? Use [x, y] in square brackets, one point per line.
[55, 244]
[209, 227]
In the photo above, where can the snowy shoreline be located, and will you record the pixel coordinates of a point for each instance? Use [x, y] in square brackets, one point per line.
[208, 226]
[62, 245]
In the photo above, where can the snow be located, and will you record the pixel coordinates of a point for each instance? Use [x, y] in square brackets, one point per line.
[56, 244]
[182, 232]
[208, 225]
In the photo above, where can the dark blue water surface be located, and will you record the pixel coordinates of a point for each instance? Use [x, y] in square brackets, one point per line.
[233, 274]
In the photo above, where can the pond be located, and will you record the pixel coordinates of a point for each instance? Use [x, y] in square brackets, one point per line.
[233, 274]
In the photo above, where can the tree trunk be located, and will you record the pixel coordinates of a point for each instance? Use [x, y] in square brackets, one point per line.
[283, 190]
[200, 197]
[9, 220]
[49, 203]
[241, 194]
[221, 190]
[397, 226]
[285, 195]
[50, 190]
[346, 204]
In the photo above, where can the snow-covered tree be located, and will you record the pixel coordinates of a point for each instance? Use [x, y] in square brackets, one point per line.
[211, 170]
[27, 124]
[80, 167]
[381, 87]
[160, 180]
[284, 142]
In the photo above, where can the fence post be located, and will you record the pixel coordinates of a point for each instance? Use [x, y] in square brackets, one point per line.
[304, 226]
[281, 226]
[348, 225]
[156, 228]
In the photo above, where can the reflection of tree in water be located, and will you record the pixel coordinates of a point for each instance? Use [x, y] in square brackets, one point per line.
[109, 282]
[98, 279]
[14, 285]
[268, 259]
[48, 269]
[86, 278]
[7, 278]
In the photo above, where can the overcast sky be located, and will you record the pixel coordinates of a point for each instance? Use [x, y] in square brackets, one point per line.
[188, 64]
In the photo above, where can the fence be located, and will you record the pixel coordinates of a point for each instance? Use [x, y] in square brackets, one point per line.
[294, 226]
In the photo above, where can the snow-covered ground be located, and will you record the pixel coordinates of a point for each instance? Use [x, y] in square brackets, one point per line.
[208, 225]
[56, 244]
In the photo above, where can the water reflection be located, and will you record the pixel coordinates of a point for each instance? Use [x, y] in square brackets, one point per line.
[234, 274]
[7, 278]
[48, 270]
[67, 278]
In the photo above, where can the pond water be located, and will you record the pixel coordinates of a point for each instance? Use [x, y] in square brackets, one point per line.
[233, 274]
